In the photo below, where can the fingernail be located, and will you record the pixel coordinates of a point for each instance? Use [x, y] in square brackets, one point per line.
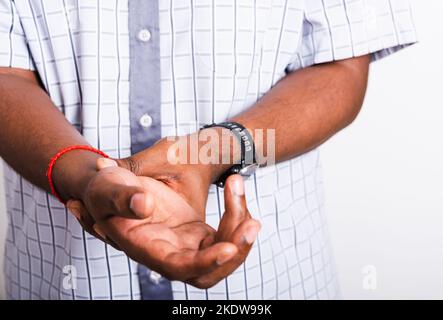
[137, 203]
[238, 186]
[105, 163]
[223, 258]
[99, 231]
[251, 234]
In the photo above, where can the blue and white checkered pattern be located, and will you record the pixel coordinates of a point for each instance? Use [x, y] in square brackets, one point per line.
[217, 58]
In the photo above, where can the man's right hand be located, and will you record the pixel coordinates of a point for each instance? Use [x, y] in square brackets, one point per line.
[169, 236]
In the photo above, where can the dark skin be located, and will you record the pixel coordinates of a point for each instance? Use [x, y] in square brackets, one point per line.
[305, 108]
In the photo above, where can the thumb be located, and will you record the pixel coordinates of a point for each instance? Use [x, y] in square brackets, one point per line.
[105, 163]
[235, 207]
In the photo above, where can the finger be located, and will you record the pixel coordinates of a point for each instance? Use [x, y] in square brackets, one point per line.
[102, 236]
[105, 163]
[74, 207]
[188, 264]
[235, 207]
[208, 241]
[243, 237]
[77, 208]
[123, 201]
[142, 204]
[197, 235]
[161, 250]
[118, 192]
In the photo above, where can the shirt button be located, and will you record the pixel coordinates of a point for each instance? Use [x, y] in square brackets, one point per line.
[144, 35]
[145, 120]
[155, 277]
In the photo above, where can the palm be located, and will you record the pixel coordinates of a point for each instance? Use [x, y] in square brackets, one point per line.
[162, 247]
[155, 223]
[173, 233]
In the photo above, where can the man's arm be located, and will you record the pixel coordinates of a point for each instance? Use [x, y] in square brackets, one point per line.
[310, 105]
[305, 108]
[32, 130]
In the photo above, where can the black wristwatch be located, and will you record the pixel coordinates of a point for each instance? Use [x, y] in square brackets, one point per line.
[248, 162]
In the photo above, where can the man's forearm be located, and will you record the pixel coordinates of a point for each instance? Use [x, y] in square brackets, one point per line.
[32, 130]
[307, 107]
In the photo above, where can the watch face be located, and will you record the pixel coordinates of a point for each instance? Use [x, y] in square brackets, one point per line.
[249, 170]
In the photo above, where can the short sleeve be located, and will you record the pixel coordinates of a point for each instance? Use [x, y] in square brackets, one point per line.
[342, 29]
[14, 50]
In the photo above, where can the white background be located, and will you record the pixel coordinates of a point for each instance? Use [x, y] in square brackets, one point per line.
[384, 175]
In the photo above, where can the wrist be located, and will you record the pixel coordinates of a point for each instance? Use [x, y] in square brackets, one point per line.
[218, 150]
[73, 171]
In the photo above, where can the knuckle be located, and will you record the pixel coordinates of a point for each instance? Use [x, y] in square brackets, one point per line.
[133, 165]
[130, 164]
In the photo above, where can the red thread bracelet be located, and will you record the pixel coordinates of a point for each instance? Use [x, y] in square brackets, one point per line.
[57, 156]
